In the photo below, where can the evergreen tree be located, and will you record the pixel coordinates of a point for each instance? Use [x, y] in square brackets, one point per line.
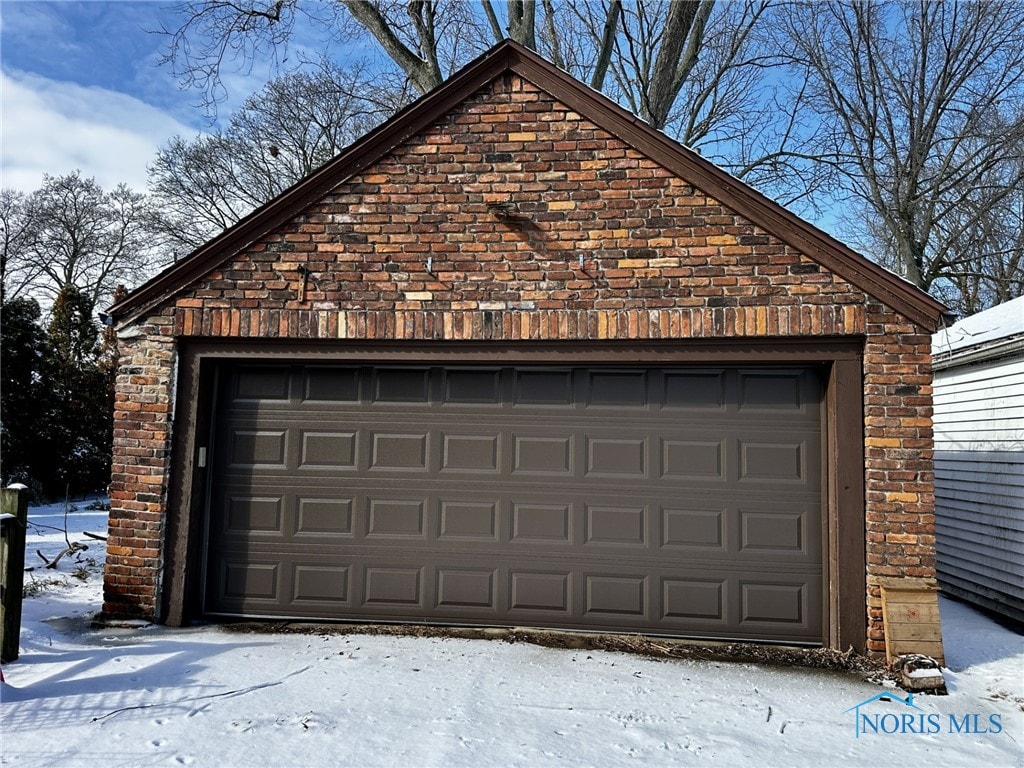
[77, 429]
[24, 399]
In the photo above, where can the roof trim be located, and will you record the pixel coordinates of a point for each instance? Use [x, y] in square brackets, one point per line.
[984, 353]
[818, 245]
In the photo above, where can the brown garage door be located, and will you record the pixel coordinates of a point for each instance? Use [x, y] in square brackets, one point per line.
[678, 501]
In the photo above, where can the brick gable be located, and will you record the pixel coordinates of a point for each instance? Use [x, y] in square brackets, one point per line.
[661, 260]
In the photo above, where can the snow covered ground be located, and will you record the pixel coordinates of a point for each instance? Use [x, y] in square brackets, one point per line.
[205, 696]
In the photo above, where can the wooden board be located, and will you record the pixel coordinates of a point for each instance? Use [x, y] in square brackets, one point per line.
[910, 615]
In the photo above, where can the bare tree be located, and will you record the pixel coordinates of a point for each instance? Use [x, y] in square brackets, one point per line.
[702, 71]
[651, 46]
[16, 274]
[219, 36]
[279, 135]
[76, 234]
[983, 235]
[425, 39]
[652, 52]
[924, 108]
[718, 91]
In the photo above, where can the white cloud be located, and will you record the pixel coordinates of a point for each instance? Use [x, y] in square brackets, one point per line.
[55, 127]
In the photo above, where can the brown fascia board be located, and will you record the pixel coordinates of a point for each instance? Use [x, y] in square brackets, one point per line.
[876, 281]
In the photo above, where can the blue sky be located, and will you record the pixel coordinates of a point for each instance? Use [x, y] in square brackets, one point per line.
[81, 88]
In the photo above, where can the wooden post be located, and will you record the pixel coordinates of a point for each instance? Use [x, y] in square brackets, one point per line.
[14, 516]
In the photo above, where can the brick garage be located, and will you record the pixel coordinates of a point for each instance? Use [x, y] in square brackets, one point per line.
[516, 222]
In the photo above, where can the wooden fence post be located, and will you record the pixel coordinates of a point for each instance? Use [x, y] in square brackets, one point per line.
[13, 524]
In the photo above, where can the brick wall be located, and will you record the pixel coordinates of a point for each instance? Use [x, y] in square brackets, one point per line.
[661, 260]
[142, 410]
[899, 490]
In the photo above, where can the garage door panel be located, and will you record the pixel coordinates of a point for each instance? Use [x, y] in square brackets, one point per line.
[473, 386]
[466, 588]
[616, 456]
[752, 529]
[410, 386]
[695, 602]
[259, 384]
[681, 501]
[323, 517]
[776, 461]
[609, 596]
[242, 579]
[468, 519]
[536, 591]
[327, 450]
[396, 518]
[331, 384]
[775, 603]
[543, 454]
[542, 388]
[253, 514]
[700, 528]
[772, 390]
[685, 460]
[258, 448]
[616, 526]
[700, 391]
[616, 388]
[392, 585]
[376, 586]
[465, 453]
[541, 523]
[405, 451]
[320, 585]
[755, 457]
[783, 533]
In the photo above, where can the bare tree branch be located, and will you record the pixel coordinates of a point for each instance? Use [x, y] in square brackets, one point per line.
[279, 135]
[607, 46]
[492, 20]
[924, 101]
[422, 68]
[522, 16]
[73, 233]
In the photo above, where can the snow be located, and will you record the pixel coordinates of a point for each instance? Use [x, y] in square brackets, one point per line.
[1000, 322]
[208, 696]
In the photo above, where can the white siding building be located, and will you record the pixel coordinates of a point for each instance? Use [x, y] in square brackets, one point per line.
[979, 458]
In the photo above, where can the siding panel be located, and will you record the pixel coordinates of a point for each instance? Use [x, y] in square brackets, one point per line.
[979, 483]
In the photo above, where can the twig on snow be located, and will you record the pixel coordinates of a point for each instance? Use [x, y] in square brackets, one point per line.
[73, 547]
[238, 692]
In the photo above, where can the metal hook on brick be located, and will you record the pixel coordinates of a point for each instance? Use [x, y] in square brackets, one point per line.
[430, 265]
[303, 271]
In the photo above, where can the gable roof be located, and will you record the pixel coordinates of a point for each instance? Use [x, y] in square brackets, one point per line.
[508, 56]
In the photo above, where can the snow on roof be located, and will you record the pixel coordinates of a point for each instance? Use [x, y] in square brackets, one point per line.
[993, 325]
